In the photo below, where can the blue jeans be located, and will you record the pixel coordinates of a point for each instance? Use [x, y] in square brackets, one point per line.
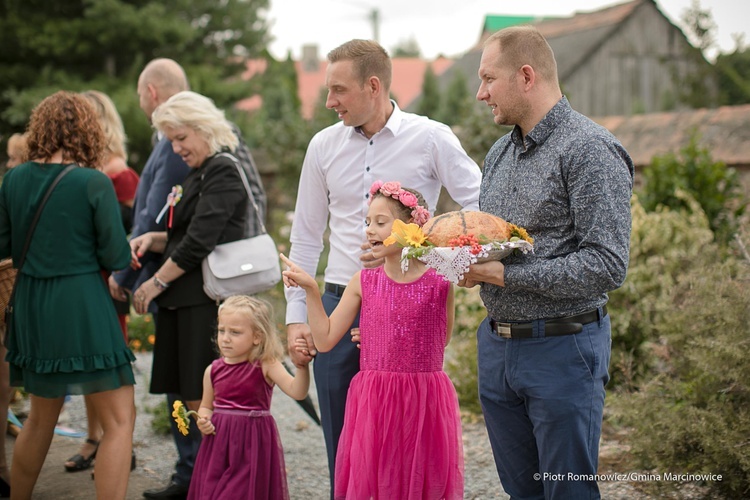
[543, 400]
[334, 371]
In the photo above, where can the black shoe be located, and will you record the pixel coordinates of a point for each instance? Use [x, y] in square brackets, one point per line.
[79, 462]
[172, 490]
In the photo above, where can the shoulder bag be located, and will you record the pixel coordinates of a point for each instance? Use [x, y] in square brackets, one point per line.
[242, 267]
[9, 307]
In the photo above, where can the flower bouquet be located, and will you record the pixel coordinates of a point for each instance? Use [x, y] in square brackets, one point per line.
[451, 242]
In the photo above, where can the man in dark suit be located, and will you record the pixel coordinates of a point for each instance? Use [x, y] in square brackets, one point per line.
[159, 80]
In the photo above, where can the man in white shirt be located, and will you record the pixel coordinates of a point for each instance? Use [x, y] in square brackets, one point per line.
[375, 140]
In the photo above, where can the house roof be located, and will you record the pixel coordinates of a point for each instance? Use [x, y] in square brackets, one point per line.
[408, 75]
[572, 38]
[494, 23]
[725, 131]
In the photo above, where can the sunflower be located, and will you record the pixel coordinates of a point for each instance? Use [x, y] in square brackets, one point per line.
[520, 233]
[182, 416]
[406, 235]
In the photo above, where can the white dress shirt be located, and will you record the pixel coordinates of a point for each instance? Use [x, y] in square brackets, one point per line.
[340, 166]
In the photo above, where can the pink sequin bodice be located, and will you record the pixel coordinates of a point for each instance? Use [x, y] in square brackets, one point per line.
[403, 325]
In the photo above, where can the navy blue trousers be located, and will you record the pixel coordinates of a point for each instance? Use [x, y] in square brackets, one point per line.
[333, 372]
[543, 401]
[187, 446]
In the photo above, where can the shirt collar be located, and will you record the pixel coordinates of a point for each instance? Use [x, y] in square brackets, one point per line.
[393, 124]
[542, 130]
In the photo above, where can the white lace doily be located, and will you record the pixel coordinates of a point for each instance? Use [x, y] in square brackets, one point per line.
[452, 263]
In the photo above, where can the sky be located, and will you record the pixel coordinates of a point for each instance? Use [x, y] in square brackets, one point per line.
[451, 27]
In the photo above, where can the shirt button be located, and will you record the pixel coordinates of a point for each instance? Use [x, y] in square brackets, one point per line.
[368, 169]
[370, 143]
[367, 195]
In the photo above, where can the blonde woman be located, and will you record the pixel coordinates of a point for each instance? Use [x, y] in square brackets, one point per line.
[125, 181]
[124, 178]
[210, 208]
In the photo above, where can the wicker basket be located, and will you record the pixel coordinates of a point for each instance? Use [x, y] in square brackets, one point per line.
[7, 278]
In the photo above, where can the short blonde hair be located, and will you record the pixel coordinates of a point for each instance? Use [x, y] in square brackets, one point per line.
[369, 58]
[521, 45]
[190, 109]
[114, 131]
[260, 314]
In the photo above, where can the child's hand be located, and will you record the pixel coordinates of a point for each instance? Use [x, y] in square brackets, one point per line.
[356, 337]
[300, 345]
[294, 275]
[205, 426]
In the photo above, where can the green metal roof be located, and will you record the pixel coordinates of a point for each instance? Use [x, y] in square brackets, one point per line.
[496, 23]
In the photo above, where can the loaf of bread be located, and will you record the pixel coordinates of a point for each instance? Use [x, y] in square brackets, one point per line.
[483, 226]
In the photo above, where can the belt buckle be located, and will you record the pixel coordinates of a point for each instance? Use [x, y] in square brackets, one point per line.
[503, 330]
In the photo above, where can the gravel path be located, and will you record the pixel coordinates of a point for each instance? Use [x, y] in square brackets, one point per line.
[304, 450]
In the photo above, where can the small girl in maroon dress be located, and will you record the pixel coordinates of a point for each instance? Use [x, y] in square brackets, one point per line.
[241, 456]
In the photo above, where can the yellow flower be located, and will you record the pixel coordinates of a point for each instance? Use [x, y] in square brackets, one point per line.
[182, 416]
[520, 233]
[151, 339]
[406, 235]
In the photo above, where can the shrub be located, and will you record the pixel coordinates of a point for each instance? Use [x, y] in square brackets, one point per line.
[694, 416]
[663, 243]
[162, 421]
[716, 187]
[140, 332]
[461, 353]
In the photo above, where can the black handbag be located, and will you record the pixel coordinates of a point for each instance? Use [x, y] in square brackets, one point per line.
[32, 226]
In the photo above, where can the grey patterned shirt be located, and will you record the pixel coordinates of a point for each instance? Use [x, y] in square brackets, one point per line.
[568, 182]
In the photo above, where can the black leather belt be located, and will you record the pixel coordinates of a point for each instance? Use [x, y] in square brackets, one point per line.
[569, 325]
[337, 290]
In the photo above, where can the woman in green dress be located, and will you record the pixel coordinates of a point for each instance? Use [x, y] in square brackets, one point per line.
[64, 337]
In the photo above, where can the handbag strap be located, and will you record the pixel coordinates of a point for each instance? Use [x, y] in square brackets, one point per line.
[33, 224]
[245, 182]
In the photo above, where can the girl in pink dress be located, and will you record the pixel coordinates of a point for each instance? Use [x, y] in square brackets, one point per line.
[240, 456]
[402, 431]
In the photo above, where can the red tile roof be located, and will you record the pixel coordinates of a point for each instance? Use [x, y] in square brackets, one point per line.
[725, 131]
[408, 74]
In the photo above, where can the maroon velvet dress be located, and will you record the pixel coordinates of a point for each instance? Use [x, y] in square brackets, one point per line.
[244, 459]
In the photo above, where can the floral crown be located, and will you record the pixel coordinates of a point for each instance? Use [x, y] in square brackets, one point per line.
[393, 189]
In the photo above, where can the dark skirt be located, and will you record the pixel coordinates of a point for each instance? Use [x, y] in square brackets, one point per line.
[184, 347]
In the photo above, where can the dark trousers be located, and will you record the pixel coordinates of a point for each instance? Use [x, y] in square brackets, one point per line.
[187, 447]
[543, 401]
[334, 371]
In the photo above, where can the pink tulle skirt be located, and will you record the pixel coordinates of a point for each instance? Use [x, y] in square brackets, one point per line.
[401, 438]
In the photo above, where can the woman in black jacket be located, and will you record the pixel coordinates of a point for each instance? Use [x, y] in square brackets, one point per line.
[210, 208]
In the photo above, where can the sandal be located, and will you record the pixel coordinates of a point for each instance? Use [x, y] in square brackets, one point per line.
[79, 461]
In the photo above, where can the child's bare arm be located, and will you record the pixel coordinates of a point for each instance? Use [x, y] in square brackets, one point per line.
[206, 409]
[326, 331]
[451, 315]
[295, 386]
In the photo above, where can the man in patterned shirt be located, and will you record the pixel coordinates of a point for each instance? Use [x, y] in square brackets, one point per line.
[544, 349]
